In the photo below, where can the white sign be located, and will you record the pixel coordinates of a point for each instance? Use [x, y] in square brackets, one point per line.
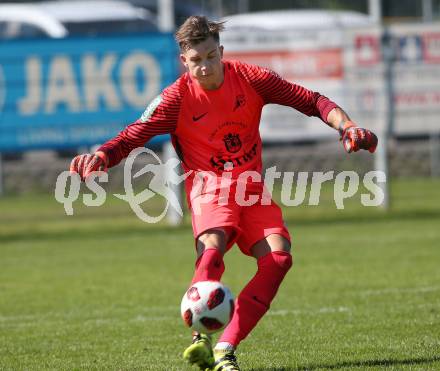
[346, 65]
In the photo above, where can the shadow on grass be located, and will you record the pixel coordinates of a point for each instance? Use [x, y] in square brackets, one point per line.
[356, 217]
[79, 233]
[366, 363]
[82, 231]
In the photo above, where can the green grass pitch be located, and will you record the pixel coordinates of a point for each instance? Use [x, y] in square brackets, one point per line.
[101, 290]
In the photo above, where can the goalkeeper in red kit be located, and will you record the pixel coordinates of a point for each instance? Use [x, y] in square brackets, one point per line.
[213, 114]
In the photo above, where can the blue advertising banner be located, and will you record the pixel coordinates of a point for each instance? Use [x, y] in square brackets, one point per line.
[79, 91]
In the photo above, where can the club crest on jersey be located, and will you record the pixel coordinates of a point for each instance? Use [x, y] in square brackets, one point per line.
[232, 142]
[240, 101]
[150, 109]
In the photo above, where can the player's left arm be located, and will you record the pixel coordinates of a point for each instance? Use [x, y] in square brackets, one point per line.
[353, 137]
[272, 88]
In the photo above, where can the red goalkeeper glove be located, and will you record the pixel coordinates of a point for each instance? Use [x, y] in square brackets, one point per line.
[86, 164]
[355, 138]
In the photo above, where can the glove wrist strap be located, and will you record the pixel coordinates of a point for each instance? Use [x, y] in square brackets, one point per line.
[341, 127]
[102, 156]
[344, 125]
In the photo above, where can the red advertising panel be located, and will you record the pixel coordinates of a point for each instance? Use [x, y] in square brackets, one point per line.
[431, 47]
[297, 64]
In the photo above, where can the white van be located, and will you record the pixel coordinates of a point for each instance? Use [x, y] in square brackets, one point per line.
[57, 19]
[285, 20]
[95, 17]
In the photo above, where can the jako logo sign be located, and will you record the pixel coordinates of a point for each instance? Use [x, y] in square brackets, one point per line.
[110, 80]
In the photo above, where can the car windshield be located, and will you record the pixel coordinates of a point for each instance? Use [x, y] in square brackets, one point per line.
[107, 27]
[12, 30]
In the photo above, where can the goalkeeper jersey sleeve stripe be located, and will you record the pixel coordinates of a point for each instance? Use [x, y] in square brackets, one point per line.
[160, 117]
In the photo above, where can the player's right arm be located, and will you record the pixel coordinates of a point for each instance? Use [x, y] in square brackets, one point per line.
[160, 117]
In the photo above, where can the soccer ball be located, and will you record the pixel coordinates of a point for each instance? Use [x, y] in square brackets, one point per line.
[207, 306]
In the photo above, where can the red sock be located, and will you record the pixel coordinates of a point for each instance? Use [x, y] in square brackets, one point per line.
[254, 301]
[209, 266]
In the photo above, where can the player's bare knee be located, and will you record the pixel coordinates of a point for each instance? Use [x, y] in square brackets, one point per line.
[271, 243]
[278, 242]
[212, 239]
[286, 246]
[282, 256]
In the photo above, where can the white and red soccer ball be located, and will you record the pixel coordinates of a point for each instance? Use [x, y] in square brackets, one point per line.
[207, 306]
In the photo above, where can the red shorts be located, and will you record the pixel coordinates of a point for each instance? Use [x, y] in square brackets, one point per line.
[249, 223]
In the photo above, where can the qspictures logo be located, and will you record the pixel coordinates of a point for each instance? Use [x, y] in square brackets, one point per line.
[204, 186]
[158, 185]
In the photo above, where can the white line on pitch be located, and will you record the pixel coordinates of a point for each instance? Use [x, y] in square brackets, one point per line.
[403, 290]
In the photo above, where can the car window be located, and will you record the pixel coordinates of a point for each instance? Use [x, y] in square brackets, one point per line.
[13, 30]
[10, 30]
[2, 30]
[107, 27]
[30, 31]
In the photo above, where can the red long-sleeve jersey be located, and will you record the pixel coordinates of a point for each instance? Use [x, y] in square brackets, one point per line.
[211, 127]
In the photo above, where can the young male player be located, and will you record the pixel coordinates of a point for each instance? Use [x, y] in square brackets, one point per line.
[212, 113]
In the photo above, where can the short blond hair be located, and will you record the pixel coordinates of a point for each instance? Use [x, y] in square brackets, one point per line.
[196, 29]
